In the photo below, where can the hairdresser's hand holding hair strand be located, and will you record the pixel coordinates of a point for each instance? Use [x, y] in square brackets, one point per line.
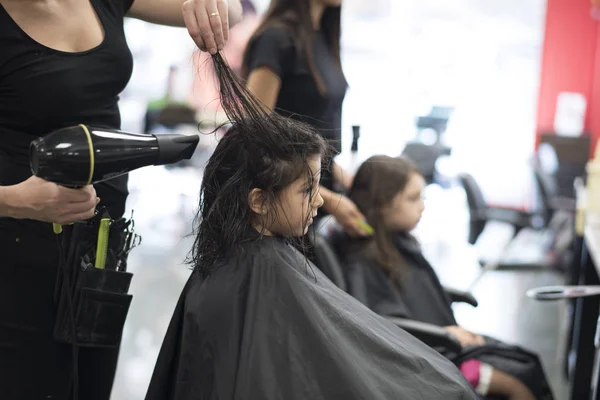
[223, 10]
[207, 22]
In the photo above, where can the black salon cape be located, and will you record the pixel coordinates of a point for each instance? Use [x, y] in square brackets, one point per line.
[267, 325]
[421, 297]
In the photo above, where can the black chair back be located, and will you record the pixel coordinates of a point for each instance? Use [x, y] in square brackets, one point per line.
[425, 156]
[327, 261]
[477, 206]
[547, 191]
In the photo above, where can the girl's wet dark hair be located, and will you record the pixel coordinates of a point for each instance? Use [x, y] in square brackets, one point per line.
[375, 185]
[260, 150]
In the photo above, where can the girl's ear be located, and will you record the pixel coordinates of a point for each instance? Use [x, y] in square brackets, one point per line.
[257, 201]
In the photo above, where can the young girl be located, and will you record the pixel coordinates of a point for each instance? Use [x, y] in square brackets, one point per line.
[389, 274]
[256, 319]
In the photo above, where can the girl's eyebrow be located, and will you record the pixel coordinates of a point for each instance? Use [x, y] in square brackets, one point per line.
[307, 183]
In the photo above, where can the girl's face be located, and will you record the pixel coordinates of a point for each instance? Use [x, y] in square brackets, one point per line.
[298, 203]
[404, 211]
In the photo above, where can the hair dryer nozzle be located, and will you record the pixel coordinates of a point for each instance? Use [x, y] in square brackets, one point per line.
[173, 147]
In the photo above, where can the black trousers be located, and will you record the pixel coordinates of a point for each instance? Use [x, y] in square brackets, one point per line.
[32, 365]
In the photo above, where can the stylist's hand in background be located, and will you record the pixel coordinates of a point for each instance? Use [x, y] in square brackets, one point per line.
[347, 215]
[45, 201]
[208, 21]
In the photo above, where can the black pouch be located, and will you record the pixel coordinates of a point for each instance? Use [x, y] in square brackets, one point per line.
[92, 303]
[99, 304]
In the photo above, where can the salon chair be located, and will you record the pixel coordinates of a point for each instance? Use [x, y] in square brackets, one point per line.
[528, 244]
[541, 239]
[436, 120]
[558, 213]
[480, 213]
[569, 158]
[551, 202]
[425, 157]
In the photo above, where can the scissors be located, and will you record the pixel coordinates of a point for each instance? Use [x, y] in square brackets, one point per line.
[562, 292]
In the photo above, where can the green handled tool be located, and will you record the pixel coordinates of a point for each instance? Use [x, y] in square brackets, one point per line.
[366, 227]
[102, 246]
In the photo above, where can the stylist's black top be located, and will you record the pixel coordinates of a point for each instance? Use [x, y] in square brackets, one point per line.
[42, 89]
[299, 95]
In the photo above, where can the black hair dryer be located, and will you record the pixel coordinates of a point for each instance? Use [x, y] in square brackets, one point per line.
[80, 155]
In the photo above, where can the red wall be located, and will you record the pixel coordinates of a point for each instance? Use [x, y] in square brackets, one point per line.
[593, 112]
[570, 62]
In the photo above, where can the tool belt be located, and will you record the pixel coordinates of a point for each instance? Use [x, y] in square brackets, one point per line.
[92, 284]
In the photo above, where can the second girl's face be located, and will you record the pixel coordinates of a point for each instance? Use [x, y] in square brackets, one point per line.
[404, 212]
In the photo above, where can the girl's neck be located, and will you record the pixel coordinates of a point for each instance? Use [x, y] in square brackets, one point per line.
[261, 229]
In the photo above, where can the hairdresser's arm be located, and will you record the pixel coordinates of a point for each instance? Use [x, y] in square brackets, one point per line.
[264, 85]
[344, 211]
[341, 176]
[208, 31]
[45, 201]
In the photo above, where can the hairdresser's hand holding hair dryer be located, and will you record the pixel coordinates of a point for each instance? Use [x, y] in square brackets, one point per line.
[64, 63]
[208, 23]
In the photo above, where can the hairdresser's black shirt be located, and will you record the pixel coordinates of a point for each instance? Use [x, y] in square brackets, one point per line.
[42, 90]
[299, 95]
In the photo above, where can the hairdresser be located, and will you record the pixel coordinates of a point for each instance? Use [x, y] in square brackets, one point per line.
[64, 62]
[292, 64]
